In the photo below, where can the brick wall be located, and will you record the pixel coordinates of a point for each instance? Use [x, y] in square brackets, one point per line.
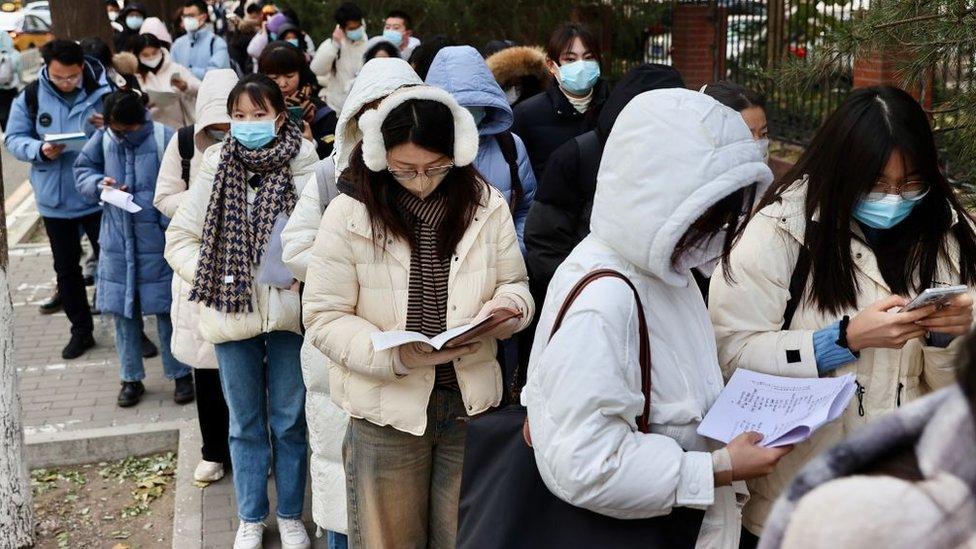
[699, 47]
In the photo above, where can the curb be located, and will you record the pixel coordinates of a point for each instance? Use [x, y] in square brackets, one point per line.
[188, 507]
[23, 217]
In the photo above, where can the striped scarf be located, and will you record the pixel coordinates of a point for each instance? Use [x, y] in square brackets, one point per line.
[235, 235]
[429, 273]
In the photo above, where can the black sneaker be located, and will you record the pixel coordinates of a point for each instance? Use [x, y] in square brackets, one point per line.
[130, 394]
[52, 305]
[149, 349]
[183, 394]
[77, 346]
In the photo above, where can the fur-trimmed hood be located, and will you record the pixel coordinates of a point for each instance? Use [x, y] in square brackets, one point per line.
[125, 63]
[512, 64]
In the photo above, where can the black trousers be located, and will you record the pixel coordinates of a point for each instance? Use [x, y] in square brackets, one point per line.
[65, 237]
[748, 540]
[213, 415]
[6, 99]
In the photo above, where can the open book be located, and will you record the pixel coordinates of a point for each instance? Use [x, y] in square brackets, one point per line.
[454, 337]
[73, 142]
[785, 410]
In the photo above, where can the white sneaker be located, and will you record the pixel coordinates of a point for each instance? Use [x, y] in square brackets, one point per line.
[293, 534]
[208, 471]
[249, 535]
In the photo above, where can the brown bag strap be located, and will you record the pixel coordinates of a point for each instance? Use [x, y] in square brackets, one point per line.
[643, 422]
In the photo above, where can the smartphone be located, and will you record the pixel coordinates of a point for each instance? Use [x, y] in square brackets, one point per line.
[935, 296]
[296, 113]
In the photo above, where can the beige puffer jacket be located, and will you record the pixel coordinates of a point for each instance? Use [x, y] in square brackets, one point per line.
[355, 288]
[181, 112]
[187, 344]
[274, 309]
[748, 319]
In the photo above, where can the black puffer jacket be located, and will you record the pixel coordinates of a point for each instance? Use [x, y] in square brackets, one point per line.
[123, 37]
[547, 120]
[560, 216]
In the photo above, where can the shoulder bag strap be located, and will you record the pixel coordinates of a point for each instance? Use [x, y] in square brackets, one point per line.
[643, 422]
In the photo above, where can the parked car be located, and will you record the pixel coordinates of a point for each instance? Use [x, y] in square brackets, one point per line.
[28, 28]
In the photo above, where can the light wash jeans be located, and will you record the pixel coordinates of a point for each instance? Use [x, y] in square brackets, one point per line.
[335, 540]
[262, 381]
[128, 343]
[402, 490]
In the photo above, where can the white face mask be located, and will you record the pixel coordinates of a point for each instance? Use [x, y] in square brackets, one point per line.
[113, 15]
[191, 24]
[152, 62]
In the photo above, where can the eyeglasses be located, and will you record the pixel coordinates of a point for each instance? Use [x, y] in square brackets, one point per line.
[404, 176]
[65, 79]
[910, 190]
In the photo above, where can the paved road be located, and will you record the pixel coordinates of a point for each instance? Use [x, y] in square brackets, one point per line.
[14, 172]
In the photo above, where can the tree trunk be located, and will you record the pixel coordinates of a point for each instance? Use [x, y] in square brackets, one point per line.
[77, 19]
[16, 507]
[164, 9]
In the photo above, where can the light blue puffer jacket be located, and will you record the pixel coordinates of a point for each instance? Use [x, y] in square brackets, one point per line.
[461, 71]
[201, 51]
[131, 262]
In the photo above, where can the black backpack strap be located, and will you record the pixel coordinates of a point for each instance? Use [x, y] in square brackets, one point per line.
[798, 284]
[506, 141]
[184, 140]
[30, 98]
[213, 38]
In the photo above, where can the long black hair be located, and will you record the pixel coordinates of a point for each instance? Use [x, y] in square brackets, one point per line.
[430, 125]
[841, 165]
[730, 215]
[261, 90]
[282, 57]
[124, 107]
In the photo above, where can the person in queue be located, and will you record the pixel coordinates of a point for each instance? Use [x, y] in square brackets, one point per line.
[225, 240]
[187, 344]
[133, 278]
[131, 18]
[571, 105]
[340, 58]
[379, 47]
[817, 285]
[158, 72]
[199, 50]
[440, 249]
[674, 193]
[286, 65]
[398, 30]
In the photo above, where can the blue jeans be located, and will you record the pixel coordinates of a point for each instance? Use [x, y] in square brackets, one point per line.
[336, 540]
[262, 381]
[128, 343]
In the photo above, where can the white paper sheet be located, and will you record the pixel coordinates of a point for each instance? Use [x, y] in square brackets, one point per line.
[785, 410]
[120, 199]
[162, 99]
[73, 142]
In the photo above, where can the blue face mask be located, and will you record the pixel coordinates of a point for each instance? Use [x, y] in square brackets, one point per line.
[885, 213]
[293, 41]
[273, 35]
[134, 22]
[579, 77]
[393, 36]
[356, 35]
[478, 113]
[253, 134]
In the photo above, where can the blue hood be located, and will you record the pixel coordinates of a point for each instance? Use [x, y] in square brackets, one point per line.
[463, 73]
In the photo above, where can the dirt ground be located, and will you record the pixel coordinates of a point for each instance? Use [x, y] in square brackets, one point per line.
[124, 504]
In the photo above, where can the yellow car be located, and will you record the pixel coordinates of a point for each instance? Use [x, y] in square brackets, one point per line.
[28, 28]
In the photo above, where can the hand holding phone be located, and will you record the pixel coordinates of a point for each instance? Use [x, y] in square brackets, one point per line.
[935, 296]
[955, 317]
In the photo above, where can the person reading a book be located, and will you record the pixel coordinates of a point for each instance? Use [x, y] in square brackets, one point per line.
[225, 240]
[417, 241]
[172, 87]
[864, 222]
[133, 278]
[674, 191]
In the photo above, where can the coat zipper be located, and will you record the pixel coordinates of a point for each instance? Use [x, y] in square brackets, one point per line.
[860, 398]
[898, 395]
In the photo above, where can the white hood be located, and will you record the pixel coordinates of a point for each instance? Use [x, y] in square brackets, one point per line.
[211, 107]
[671, 155]
[378, 78]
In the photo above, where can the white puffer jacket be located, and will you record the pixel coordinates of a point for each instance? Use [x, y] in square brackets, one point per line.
[187, 344]
[181, 112]
[336, 65]
[748, 318]
[671, 155]
[274, 309]
[355, 287]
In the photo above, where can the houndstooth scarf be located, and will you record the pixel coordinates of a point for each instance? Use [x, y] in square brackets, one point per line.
[234, 235]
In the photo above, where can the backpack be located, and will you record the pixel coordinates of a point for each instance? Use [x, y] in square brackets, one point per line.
[184, 142]
[506, 141]
[326, 180]
[7, 73]
[159, 134]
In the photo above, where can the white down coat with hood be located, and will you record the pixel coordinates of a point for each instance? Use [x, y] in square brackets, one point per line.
[671, 155]
[211, 108]
[326, 421]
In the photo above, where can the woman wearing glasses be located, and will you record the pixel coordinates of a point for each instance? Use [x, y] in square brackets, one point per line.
[863, 223]
[417, 241]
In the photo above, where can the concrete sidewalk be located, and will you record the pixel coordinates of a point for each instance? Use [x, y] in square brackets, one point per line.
[74, 396]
